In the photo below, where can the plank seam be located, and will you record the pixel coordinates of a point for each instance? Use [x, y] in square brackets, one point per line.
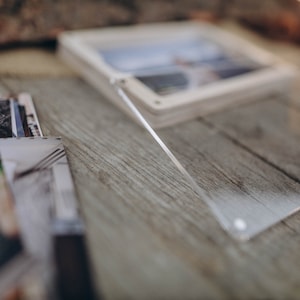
[249, 150]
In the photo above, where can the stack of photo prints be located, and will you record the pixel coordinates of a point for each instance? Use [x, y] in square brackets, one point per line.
[42, 245]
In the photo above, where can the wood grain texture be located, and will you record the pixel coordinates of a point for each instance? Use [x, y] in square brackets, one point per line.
[240, 184]
[3, 90]
[150, 235]
[270, 128]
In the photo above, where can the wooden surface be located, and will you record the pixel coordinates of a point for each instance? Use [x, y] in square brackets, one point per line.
[150, 235]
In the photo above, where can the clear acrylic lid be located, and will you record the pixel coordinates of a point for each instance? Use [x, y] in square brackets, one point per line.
[244, 193]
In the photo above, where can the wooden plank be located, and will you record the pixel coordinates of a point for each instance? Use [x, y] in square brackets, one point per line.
[269, 128]
[3, 89]
[240, 185]
[28, 62]
[131, 261]
[150, 235]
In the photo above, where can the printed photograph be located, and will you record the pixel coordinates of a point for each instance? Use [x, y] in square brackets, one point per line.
[18, 117]
[5, 119]
[37, 173]
[11, 247]
[10, 240]
[171, 66]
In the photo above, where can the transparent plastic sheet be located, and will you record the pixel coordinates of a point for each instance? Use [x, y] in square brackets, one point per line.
[242, 197]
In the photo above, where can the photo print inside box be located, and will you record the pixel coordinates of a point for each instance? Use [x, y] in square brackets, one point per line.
[170, 66]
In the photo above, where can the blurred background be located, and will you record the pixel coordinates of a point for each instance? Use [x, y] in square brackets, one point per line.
[32, 21]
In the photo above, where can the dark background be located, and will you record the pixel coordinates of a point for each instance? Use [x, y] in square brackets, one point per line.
[40, 20]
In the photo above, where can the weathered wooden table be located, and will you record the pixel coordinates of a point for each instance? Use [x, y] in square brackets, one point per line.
[149, 234]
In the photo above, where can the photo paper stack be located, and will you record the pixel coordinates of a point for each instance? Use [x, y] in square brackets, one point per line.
[174, 72]
[38, 211]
